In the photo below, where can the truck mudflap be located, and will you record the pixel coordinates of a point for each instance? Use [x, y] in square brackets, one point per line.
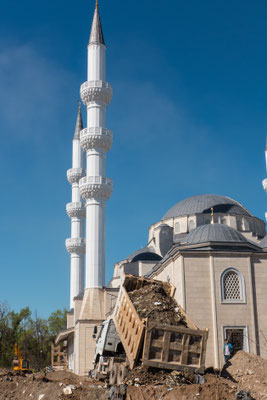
[174, 347]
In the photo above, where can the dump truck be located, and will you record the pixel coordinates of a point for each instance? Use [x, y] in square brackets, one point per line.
[139, 328]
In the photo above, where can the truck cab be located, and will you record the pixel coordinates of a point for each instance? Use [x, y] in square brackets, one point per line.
[108, 342]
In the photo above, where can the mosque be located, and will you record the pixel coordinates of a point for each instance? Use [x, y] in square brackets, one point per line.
[210, 247]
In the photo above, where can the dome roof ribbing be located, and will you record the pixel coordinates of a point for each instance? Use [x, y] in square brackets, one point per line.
[201, 204]
[214, 233]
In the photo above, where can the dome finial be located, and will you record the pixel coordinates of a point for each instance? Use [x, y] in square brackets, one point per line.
[212, 216]
[96, 4]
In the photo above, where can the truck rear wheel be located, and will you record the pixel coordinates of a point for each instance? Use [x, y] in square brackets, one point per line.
[122, 374]
[113, 374]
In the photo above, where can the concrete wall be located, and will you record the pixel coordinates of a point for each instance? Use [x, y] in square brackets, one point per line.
[70, 319]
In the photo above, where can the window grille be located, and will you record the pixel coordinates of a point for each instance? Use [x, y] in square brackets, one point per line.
[231, 286]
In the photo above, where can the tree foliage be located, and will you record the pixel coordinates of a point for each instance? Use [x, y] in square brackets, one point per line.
[33, 335]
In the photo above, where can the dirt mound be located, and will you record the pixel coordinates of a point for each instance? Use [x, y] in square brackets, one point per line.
[151, 301]
[214, 388]
[50, 387]
[250, 372]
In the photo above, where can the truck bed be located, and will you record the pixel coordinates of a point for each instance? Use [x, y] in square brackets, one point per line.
[164, 346]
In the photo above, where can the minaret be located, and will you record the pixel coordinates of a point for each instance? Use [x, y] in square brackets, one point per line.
[96, 141]
[264, 182]
[76, 211]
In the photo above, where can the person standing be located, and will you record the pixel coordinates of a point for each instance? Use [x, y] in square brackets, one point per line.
[227, 350]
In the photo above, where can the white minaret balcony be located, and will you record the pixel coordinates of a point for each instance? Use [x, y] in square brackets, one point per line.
[96, 138]
[96, 187]
[75, 245]
[75, 174]
[264, 184]
[97, 91]
[75, 210]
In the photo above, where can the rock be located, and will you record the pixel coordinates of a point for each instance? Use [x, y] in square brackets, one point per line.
[41, 396]
[250, 372]
[67, 390]
[173, 373]
[60, 384]
[72, 387]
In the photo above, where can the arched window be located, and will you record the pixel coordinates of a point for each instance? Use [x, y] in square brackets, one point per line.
[191, 225]
[177, 227]
[232, 286]
[239, 225]
[224, 221]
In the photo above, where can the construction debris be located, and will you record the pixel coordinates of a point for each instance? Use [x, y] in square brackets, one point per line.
[152, 301]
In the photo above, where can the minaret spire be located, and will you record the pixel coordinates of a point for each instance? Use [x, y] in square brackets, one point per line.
[96, 36]
[76, 244]
[96, 140]
[79, 123]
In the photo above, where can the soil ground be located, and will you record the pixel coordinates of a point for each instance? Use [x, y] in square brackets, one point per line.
[244, 372]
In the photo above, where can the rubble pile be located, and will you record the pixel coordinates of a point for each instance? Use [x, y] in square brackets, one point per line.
[142, 376]
[151, 301]
[247, 380]
[250, 372]
[59, 385]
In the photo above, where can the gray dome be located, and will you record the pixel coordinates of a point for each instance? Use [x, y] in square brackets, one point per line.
[145, 254]
[201, 204]
[263, 242]
[214, 233]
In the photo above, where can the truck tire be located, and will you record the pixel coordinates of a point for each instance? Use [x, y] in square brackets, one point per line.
[113, 374]
[122, 374]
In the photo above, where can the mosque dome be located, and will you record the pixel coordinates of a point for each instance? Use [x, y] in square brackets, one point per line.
[214, 233]
[145, 254]
[202, 204]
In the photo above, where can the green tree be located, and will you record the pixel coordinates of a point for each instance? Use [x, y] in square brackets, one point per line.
[57, 322]
[33, 335]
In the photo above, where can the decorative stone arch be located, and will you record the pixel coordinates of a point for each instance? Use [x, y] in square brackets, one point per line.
[177, 227]
[224, 221]
[232, 286]
[239, 224]
[191, 225]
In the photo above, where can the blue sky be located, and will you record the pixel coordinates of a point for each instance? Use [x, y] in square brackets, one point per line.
[189, 116]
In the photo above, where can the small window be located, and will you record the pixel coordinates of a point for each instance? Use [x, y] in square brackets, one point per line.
[191, 225]
[232, 286]
[224, 221]
[177, 227]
